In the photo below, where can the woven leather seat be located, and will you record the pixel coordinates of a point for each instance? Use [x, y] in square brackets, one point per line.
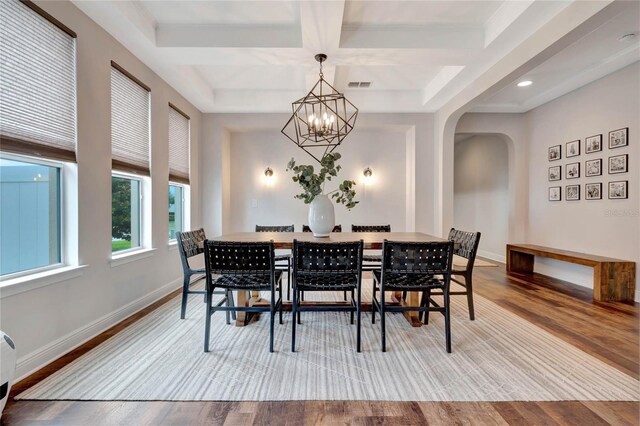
[250, 282]
[286, 257]
[408, 282]
[283, 257]
[372, 258]
[321, 282]
[373, 261]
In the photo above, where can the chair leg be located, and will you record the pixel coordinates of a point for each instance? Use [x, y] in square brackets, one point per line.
[227, 314]
[469, 285]
[373, 305]
[185, 295]
[288, 279]
[207, 321]
[352, 303]
[294, 310]
[231, 304]
[447, 322]
[272, 317]
[280, 298]
[427, 294]
[344, 296]
[382, 322]
[359, 325]
[300, 297]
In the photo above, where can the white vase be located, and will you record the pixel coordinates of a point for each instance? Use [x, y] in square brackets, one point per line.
[322, 217]
[7, 367]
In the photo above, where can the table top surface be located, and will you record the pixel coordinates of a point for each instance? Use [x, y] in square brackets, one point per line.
[372, 240]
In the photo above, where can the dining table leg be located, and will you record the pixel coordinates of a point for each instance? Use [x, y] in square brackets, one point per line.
[246, 298]
[413, 299]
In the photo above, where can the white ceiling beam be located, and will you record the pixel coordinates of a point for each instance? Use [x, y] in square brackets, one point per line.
[128, 15]
[255, 36]
[502, 18]
[441, 79]
[433, 36]
[321, 23]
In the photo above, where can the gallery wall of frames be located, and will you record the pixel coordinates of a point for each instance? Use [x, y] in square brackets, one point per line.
[602, 164]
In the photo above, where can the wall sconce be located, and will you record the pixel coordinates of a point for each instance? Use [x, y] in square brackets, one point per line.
[367, 172]
[268, 172]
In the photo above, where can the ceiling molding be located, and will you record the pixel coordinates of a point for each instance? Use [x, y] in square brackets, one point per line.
[431, 36]
[217, 35]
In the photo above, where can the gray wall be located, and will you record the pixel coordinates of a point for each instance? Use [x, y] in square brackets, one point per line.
[54, 316]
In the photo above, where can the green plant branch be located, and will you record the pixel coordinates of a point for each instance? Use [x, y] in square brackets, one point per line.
[313, 184]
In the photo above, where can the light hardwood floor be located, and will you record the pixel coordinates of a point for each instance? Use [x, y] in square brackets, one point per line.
[608, 331]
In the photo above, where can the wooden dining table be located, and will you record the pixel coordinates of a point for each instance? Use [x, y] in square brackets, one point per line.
[371, 241]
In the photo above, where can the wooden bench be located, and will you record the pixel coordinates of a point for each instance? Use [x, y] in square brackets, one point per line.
[613, 279]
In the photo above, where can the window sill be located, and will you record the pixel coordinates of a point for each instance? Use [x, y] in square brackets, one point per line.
[172, 245]
[42, 279]
[121, 259]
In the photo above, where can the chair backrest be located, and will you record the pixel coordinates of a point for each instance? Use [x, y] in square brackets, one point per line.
[190, 243]
[466, 244]
[238, 258]
[337, 228]
[327, 258]
[432, 258]
[370, 228]
[272, 228]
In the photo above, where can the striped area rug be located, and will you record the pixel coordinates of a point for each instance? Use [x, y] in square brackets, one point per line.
[497, 357]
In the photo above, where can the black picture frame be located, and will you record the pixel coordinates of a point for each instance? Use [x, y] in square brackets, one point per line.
[572, 149]
[555, 193]
[593, 191]
[623, 159]
[619, 189]
[619, 138]
[572, 193]
[555, 153]
[555, 173]
[593, 167]
[571, 172]
[593, 144]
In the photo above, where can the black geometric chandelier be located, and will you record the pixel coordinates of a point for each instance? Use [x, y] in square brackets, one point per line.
[322, 119]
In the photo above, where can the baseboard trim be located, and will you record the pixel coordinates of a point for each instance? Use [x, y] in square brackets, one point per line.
[44, 356]
[492, 256]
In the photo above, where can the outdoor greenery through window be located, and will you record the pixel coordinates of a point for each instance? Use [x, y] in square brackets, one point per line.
[125, 213]
[176, 210]
[30, 215]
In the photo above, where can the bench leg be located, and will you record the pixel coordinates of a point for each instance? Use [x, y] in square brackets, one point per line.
[519, 262]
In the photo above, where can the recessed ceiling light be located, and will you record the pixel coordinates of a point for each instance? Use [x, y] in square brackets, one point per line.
[626, 37]
[525, 83]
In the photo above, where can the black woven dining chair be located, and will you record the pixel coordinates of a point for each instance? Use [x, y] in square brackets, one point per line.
[327, 267]
[190, 244]
[466, 246]
[371, 261]
[337, 228]
[281, 259]
[418, 267]
[240, 266]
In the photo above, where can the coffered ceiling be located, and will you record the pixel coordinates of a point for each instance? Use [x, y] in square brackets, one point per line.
[257, 56]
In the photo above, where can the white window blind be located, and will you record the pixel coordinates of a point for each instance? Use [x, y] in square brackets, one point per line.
[178, 146]
[37, 83]
[129, 123]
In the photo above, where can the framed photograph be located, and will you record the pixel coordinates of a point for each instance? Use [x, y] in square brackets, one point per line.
[593, 144]
[572, 170]
[593, 167]
[618, 164]
[572, 193]
[619, 138]
[555, 153]
[573, 148]
[593, 191]
[555, 193]
[618, 190]
[555, 173]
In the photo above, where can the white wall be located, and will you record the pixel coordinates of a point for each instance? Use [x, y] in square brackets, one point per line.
[257, 200]
[222, 131]
[48, 321]
[481, 191]
[604, 227]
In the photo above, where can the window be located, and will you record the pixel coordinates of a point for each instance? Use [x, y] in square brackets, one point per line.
[125, 213]
[37, 130]
[178, 145]
[30, 236]
[130, 136]
[176, 210]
